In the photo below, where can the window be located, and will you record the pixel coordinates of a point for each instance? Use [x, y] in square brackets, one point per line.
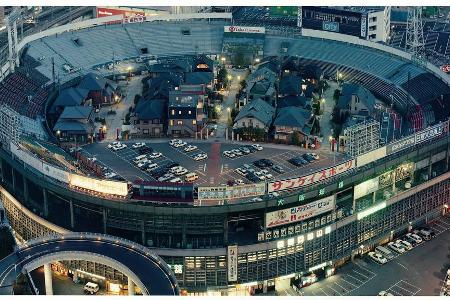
[194, 122]
[179, 112]
[179, 122]
[145, 131]
[171, 122]
[243, 123]
[155, 121]
[173, 112]
[189, 112]
[373, 27]
[373, 19]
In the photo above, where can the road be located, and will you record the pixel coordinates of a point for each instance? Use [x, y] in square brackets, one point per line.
[147, 269]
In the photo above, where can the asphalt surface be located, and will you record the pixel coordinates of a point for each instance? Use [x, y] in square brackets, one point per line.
[418, 272]
[216, 169]
[152, 276]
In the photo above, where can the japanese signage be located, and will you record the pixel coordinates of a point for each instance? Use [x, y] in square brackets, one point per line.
[299, 182]
[330, 26]
[363, 25]
[231, 192]
[245, 29]
[232, 263]
[417, 138]
[299, 213]
[55, 173]
[98, 185]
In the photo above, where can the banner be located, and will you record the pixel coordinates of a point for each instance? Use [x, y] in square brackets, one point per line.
[232, 263]
[27, 158]
[299, 213]
[294, 183]
[365, 188]
[55, 173]
[97, 185]
[231, 192]
[244, 29]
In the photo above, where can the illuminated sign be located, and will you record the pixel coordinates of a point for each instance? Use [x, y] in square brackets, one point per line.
[55, 173]
[299, 213]
[177, 269]
[330, 26]
[231, 192]
[365, 188]
[244, 29]
[445, 68]
[363, 25]
[324, 174]
[232, 263]
[371, 210]
[98, 185]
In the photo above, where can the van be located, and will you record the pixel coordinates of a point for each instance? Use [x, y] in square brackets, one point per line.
[191, 177]
[139, 158]
[91, 288]
[385, 252]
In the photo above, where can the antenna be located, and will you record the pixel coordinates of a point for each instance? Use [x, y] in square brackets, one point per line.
[414, 34]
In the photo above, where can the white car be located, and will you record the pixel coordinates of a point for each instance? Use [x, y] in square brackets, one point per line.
[415, 237]
[173, 169]
[257, 147]
[239, 182]
[244, 150]
[155, 155]
[143, 163]
[405, 244]
[378, 258]
[166, 177]
[152, 167]
[396, 247]
[175, 180]
[260, 175]
[267, 174]
[180, 171]
[174, 142]
[190, 148]
[241, 171]
[137, 145]
[384, 293]
[237, 152]
[179, 145]
[229, 154]
[119, 147]
[200, 156]
[256, 199]
[113, 144]
[314, 155]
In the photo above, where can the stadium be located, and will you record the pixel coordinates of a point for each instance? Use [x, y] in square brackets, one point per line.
[213, 238]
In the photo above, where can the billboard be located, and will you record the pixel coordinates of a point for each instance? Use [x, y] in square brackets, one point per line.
[299, 182]
[244, 29]
[99, 185]
[55, 173]
[371, 156]
[299, 213]
[231, 192]
[232, 255]
[365, 188]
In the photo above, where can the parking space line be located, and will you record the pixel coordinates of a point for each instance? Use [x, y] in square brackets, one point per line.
[442, 221]
[334, 290]
[345, 290]
[445, 228]
[324, 291]
[411, 285]
[408, 291]
[401, 265]
[352, 284]
[357, 279]
[365, 276]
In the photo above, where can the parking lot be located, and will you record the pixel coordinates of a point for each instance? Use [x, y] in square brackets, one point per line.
[418, 272]
[216, 169]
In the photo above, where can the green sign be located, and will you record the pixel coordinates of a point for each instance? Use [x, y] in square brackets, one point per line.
[301, 197]
[280, 202]
[322, 191]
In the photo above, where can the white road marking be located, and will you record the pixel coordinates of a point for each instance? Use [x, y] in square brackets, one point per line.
[365, 276]
[357, 279]
[402, 266]
[339, 294]
[352, 284]
[324, 291]
[342, 287]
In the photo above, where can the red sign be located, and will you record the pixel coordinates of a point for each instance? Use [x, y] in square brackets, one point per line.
[107, 12]
[299, 182]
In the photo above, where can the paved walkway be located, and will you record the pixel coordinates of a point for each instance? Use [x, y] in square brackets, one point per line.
[325, 121]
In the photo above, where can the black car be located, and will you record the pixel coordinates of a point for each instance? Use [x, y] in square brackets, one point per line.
[278, 169]
[252, 177]
[295, 161]
[308, 157]
[260, 164]
[158, 172]
[172, 164]
[410, 240]
[267, 162]
[302, 160]
[251, 149]
[145, 150]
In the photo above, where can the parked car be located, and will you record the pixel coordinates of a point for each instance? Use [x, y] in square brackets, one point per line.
[406, 245]
[91, 288]
[297, 161]
[190, 148]
[244, 150]
[257, 147]
[237, 152]
[180, 171]
[384, 293]
[145, 150]
[152, 167]
[415, 237]
[378, 257]
[251, 149]
[314, 155]
[180, 144]
[410, 240]
[200, 156]
[267, 174]
[175, 180]
[246, 166]
[113, 144]
[172, 164]
[252, 177]
[174, 142]
[259, 163]
[396, 247]
[137, 145]
[241, 171]
[308, 158]
[229, 154]
[260, 175]
[155, 155]
[239, 182]
[278, 169]
[166, 177]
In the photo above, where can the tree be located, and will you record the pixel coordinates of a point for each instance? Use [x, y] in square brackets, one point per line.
[234, 113]
[296, 138]
[222, 77]
[243, 84]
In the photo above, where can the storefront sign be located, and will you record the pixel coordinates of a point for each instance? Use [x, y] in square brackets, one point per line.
[231, 192]
[311, 178]
[365, 188]
[245, 29]
[232, 263]
[400, 145]
[299, 213]
[97, 185]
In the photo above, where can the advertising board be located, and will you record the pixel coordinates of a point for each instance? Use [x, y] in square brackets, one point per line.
[299, 213]
[298, 182]
[244, 29]
[55, 173]
[365, 188]
[370, 156]
[330, 26]
[231, 192]
[232, 255]
[363, 25]
[98, 185]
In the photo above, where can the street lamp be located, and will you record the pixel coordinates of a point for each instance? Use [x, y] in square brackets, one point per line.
[223, 59]
[239, 77]
[257, 60]
[229, 77]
